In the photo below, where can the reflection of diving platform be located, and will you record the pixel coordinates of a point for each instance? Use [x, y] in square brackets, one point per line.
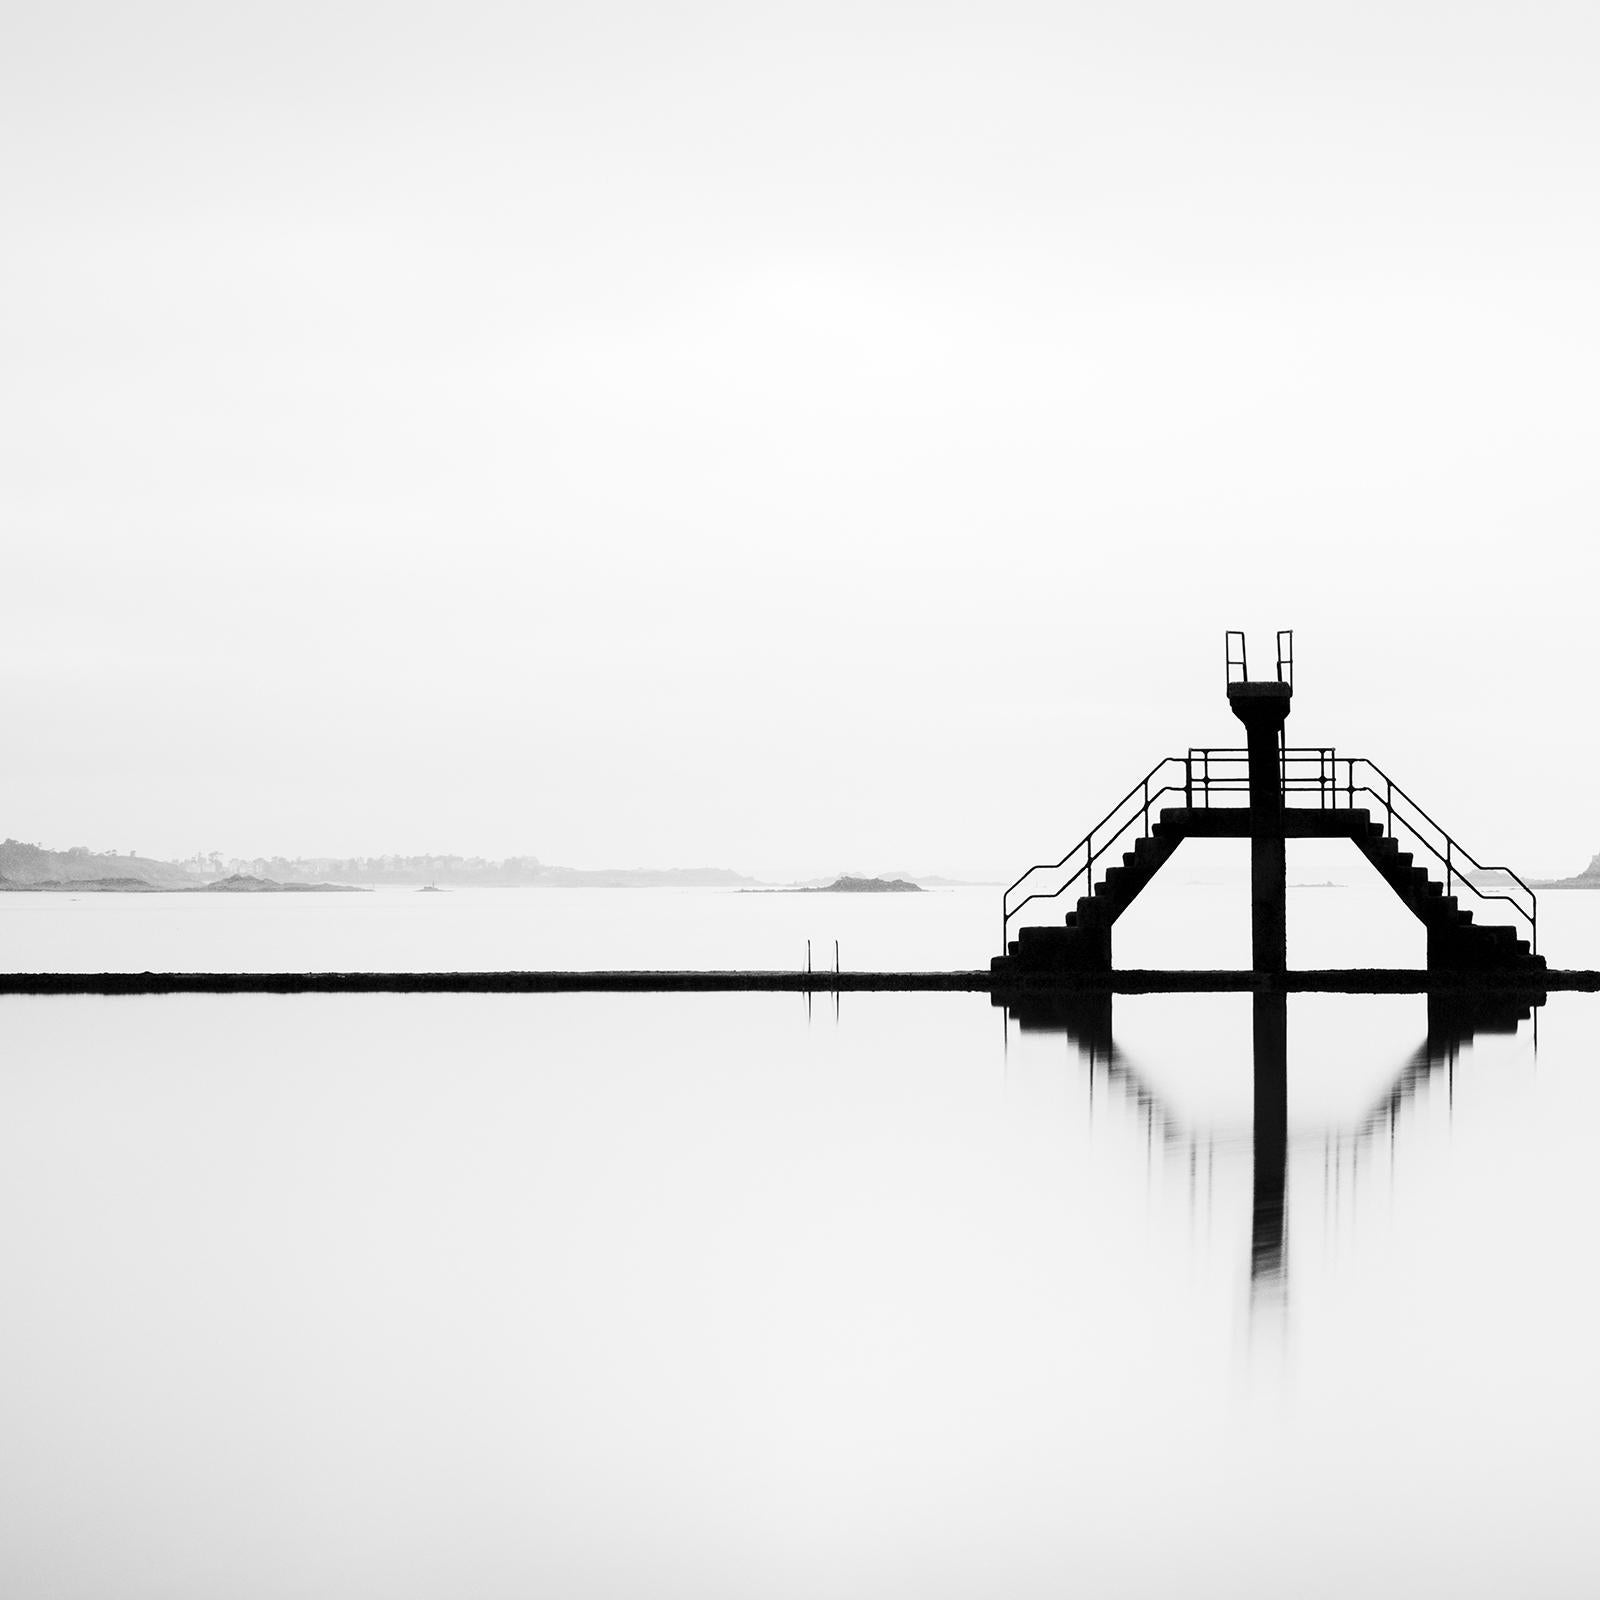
[1268, 792]
[1454, 1020]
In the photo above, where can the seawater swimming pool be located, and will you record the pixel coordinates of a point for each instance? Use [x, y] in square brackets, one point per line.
[632, 1294]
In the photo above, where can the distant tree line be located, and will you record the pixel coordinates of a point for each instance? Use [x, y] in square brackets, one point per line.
[463, 871]
[29, 863]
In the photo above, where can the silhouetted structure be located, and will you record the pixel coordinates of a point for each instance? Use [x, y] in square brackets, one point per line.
[1263, 708]
[1268, 792]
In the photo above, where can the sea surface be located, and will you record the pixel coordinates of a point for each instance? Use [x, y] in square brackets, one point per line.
[873, 1296]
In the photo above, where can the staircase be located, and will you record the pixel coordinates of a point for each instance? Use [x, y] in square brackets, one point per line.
[1082, 942]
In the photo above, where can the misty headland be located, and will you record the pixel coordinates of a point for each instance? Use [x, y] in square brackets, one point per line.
[79, 870]
[1589, 878]
[848, 884]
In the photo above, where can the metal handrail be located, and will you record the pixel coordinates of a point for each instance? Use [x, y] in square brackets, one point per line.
[1323, 781]
[1086, 844]
[1206, 784]
[1452, 853]
[1241, 660]
[1199, 778]
[1088, 865]
[1452, 848]
[1241, 663]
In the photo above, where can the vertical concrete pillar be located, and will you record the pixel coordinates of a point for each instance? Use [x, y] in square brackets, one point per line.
[1262, 708]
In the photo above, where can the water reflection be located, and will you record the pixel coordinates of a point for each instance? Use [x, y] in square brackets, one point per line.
[1270, 1058]
[1453, 1021]
[311, 1295]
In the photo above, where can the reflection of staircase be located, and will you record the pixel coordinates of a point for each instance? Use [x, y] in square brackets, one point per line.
[1082, 942]
[1455, 1018]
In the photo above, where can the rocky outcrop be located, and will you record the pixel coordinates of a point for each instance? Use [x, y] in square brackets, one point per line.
[1589, 878]
[849, 885]
[243, 883]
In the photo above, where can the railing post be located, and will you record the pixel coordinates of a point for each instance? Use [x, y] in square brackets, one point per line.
[1188, 781]
[1388, 804]
[1449, 868]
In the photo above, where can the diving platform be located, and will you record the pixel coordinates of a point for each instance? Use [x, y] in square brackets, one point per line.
[1266, 792]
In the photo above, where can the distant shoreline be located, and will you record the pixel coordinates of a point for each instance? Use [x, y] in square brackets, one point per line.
[234, 885]
[848, 885]
[273, 886]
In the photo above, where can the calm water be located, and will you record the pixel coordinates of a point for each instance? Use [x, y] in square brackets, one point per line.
[503, 1295]
[400, 1296]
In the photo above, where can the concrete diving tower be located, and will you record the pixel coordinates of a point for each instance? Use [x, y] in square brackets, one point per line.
[1267, 792]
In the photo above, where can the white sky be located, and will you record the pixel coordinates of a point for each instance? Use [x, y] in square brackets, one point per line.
[783, 437]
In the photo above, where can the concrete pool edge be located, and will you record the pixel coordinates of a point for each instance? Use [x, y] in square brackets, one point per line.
[1361, 980]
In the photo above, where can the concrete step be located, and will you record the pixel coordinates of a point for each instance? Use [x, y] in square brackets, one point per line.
[1476, 953]
[1052, 948]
